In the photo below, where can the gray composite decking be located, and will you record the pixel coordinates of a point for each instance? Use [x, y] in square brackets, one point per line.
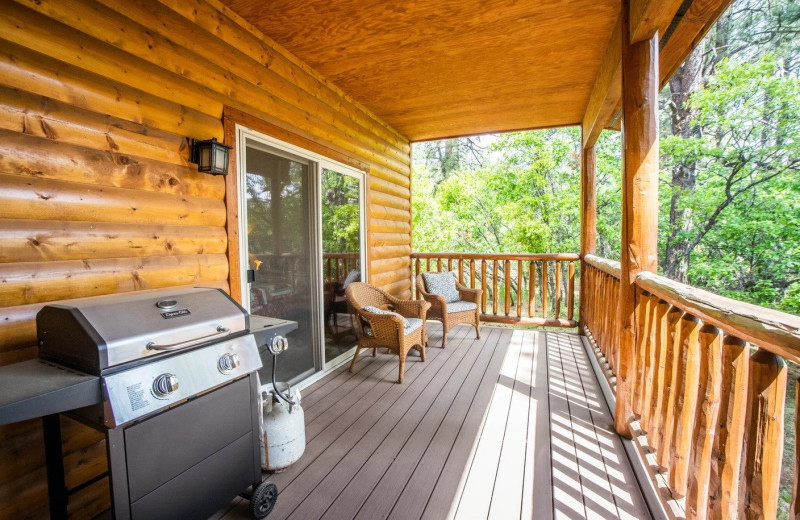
[512, 425]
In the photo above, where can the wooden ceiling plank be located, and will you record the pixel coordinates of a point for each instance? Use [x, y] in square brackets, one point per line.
[607, 90]
[651, 16]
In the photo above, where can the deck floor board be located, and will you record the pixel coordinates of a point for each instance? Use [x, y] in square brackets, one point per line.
[512, 425]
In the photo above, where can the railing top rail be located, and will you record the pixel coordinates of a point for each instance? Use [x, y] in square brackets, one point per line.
[353, 254]
[603, 264]
[499, 256]
[775, 331]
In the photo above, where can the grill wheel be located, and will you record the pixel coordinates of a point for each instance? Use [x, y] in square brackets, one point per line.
[263, 500]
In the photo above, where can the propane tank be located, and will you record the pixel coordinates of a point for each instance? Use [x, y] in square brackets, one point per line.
[283, 429]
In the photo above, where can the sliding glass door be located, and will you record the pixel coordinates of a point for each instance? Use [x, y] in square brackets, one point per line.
[341, 257]
[301, 225]
[278, 201]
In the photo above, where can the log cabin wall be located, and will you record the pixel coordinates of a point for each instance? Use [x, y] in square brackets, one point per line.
[97, 101]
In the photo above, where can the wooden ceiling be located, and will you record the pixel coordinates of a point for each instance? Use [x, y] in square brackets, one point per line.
[444, 68]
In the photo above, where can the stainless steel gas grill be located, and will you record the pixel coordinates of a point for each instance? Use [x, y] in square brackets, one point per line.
[178, 397]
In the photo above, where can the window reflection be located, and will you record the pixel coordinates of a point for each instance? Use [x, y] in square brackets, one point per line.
[341, 245]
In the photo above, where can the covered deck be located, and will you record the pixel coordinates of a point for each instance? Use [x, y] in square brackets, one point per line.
[512, 425]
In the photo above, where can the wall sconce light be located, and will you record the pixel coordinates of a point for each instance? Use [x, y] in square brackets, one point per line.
[210, 156]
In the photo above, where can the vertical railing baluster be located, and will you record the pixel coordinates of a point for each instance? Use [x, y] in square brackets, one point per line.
[650, 365]
[571, 291]
[531, 288]
[544, 288]
[439, 265]
[724, 482]
[706, 421]
[494, 287]
[558, 290]
[667, 422]
[418, 269]
[794, 506]
[764, 441]
[472, 274]
[642, 325]
[483, 286]
[507, 286]
[460, 270]
[520, 285]
[687, 381]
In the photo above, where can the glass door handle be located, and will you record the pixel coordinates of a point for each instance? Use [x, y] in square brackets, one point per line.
[251, 276]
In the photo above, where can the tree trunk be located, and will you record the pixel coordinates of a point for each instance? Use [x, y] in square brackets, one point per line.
[684, 175]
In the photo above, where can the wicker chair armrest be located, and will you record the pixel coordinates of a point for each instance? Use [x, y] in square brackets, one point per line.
[412, 308]
[469, 295]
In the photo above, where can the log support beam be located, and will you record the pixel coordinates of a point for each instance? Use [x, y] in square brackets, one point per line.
[588, 226]
[639, 197]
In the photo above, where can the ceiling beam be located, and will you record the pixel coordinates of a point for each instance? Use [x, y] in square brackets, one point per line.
[649, 17]
[699, 18]
[606, 92]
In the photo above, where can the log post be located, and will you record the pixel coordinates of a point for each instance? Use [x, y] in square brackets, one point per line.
[766, 397]
[588, 230]
[640, 83]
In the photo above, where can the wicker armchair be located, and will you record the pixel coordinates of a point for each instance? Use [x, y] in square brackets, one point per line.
[387, 330]
[438, 310]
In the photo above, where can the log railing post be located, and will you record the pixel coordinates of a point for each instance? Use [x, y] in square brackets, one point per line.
[766, 397]
[588, 230]
[640, 82]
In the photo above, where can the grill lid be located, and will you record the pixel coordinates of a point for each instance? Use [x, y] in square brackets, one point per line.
[94, 334]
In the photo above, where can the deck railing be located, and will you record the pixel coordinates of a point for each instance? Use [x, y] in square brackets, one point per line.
[709, 389]
[525, 289]
[336, 266]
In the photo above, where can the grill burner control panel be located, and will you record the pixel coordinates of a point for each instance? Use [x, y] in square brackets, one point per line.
[134, 393]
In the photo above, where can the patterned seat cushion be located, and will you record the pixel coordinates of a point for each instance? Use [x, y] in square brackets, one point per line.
[409, 324]
[461, 306]
[442, 284]
[413, 324]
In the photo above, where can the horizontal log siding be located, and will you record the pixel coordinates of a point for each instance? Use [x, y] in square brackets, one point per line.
[97, 196]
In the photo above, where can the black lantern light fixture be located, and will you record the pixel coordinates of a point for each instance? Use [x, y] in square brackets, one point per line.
[210, 156]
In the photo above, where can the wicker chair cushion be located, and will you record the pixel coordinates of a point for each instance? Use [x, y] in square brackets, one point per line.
[352, 276]
[442, 284]
[413, 324]
[409, 324]
[460, 306]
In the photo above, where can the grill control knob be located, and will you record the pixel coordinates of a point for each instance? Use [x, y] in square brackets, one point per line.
[278, 344]
[228, 363]
[165, 384]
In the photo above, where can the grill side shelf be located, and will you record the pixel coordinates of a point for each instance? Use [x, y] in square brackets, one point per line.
[35, 388]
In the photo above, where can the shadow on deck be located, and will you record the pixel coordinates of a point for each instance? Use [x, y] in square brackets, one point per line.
[512, 425]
